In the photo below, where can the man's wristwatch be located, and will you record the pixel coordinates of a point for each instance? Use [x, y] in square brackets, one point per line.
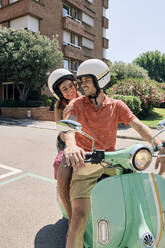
[157, 148]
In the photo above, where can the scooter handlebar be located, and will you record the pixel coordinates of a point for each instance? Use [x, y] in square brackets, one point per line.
[94, 157]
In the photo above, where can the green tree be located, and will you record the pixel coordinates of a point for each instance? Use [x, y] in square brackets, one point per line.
[154, 63]
[26, 58]
[121, 70]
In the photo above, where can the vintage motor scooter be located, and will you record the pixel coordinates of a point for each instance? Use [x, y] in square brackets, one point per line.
[127, 210]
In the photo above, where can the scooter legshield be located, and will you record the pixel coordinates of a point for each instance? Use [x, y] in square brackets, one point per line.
[130, 208]
[108, 213]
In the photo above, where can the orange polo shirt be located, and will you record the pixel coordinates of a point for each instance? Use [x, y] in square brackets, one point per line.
[100, 124]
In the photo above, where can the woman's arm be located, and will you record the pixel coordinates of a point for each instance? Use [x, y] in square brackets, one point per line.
[58, 111]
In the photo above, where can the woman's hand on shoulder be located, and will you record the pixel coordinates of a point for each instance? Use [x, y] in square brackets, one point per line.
[67, 109]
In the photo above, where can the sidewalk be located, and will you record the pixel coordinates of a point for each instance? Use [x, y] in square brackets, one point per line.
[123, 132]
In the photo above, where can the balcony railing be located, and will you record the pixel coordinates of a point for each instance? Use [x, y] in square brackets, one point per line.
[71, 44]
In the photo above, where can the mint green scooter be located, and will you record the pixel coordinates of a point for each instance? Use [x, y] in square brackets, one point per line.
[127, 210]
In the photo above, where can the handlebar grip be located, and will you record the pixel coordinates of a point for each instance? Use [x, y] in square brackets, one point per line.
[95, 157]
[88, 156]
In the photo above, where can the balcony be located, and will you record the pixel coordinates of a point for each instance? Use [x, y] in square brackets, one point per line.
[72, 51]
[21, 8]
[105, 4]
[73, 25]
[77, 3]
[105, 43]
[105, 22]
[89, 7]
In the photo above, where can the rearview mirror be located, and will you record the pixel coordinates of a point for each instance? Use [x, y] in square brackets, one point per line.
[76, 126]
[161, 124]
[73, 125]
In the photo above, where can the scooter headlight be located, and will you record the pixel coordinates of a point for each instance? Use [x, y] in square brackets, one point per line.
[142, 159]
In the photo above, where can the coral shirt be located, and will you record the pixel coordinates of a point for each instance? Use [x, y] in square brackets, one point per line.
[101, 124]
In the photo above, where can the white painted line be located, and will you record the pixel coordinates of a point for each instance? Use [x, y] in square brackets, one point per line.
[12, 170]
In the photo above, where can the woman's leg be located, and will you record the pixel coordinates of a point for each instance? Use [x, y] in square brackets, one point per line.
[79, 220]
[64, 175]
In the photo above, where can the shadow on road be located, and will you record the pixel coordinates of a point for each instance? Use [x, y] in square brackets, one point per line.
[52, 236]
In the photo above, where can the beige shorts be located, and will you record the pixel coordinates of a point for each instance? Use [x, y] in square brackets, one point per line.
[83, 181]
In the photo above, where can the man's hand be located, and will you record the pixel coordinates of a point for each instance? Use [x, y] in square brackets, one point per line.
[161, 161]
[74, 156]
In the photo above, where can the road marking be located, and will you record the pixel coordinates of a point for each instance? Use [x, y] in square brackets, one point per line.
[13, 179]
[41, 178]
[12, 170]
[28, 175]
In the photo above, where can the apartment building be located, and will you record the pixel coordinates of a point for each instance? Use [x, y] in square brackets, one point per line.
[81, 25]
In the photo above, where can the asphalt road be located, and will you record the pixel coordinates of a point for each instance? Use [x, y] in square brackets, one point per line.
[29, 215]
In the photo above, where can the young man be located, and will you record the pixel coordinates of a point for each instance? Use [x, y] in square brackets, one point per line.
[99, 116]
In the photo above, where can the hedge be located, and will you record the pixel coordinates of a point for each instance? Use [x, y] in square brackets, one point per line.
[133, 102]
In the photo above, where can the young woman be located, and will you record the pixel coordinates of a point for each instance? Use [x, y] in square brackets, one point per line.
[63, 86]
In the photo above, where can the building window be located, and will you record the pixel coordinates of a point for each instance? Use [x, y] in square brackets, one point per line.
[88, 20]
[104, 12]
[76, 40]
[104, 32]
[67, 64]
[104, 53]
[66, 37]
[13, 1]
[66, 10]
[91, 1]
[75, 66]
[26, 22]
[76, 15]
[0, 3]
[87, 43]
[8, 91]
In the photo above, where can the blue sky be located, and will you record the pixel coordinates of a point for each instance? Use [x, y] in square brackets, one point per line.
[135, 27]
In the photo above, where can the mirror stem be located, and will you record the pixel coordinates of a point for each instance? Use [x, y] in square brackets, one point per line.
[89, 137]
[162, 130]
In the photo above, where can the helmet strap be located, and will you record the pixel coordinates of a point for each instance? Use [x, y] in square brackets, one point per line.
[95, 97]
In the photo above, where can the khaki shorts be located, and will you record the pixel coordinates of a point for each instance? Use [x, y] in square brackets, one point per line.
[83, 181]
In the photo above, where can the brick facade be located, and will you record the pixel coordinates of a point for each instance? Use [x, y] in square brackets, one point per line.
[49, 15]
[39, 113]
[51, 20]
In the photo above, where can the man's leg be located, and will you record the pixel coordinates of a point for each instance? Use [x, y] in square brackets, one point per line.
[79, 220]
[63, 184]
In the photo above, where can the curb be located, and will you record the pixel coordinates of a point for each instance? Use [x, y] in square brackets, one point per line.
[129, 137]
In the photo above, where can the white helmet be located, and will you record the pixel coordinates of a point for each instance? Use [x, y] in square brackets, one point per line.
[96, 69]
[57, 77]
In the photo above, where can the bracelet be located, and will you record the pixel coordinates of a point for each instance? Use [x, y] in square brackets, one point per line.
[157, 148]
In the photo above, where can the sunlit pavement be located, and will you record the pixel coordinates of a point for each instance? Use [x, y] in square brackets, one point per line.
[29, 213]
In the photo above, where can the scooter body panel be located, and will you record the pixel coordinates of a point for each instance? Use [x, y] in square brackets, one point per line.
[131, 208]
[108, 204]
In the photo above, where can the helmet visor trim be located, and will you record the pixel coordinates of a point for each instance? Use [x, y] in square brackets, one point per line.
[103, 75]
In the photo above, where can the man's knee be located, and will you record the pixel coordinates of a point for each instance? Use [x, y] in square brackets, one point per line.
[80, 210]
